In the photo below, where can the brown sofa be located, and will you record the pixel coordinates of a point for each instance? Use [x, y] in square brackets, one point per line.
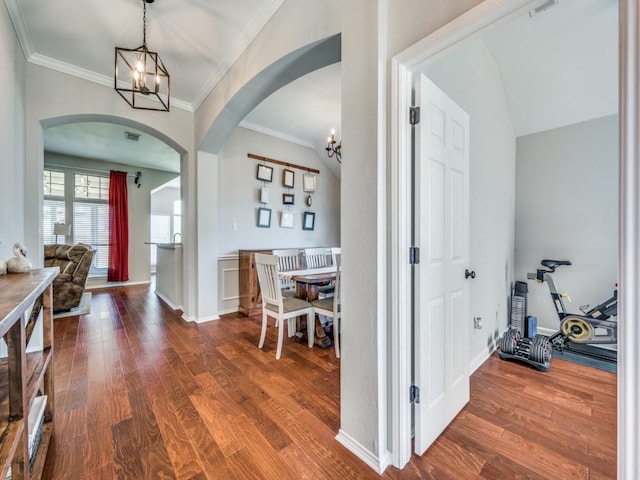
[74, 262]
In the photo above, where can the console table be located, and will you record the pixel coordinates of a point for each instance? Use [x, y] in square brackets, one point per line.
[25, 376]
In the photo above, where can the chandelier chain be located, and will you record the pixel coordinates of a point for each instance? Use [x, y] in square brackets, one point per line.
[144, 23]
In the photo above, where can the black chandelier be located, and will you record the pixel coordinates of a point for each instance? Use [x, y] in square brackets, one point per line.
[333, 149]
[140, 76]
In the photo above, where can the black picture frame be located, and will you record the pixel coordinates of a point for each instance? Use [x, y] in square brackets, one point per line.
[309, 221]
[288, 198]
[264, 173]
[264, 217]
[288, 178]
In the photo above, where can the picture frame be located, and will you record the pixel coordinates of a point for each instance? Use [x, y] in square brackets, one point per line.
[308, 221]
[264, 217]
[264, 173]
[288, 198]
[288, 178]
[287, 219]
[264, 195]
[309, 182]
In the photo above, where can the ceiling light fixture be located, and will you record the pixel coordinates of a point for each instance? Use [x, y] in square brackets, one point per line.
[140, 76]
[333, 149]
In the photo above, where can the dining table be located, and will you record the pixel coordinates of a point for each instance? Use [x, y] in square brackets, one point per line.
[307, 283]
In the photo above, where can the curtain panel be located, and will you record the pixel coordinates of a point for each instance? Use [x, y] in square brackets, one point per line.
[118, 270]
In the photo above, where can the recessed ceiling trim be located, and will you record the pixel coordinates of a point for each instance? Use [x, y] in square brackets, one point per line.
[276, 134]
[20, 27]
[259, 21]
[89, 75]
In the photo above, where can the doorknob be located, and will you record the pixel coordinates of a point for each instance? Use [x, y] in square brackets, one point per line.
[468, 273]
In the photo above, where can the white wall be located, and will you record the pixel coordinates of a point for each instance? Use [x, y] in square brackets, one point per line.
[470, 76]
[162, 201]
[12, 137]
[139, 208]
[239, 193]
[566, 209]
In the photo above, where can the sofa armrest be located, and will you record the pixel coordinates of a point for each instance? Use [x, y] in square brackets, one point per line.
[63, 277]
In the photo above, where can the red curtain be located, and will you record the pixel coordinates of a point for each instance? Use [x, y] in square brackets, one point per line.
[118, 228]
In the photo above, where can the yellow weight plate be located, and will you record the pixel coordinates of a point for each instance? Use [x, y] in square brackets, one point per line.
[577, 329]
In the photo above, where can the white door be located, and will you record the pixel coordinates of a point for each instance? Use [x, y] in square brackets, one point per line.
[441, 289]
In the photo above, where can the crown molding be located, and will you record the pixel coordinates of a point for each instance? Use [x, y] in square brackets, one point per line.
[90, 76]
[259, 21]
[276, 134]
[20, 26]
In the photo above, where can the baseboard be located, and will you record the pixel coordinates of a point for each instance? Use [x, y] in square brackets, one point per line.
[379, 465]
[206, 319]
[167, 301]
[481, 358]
[228, 310]
[116, 284]
[546, 331]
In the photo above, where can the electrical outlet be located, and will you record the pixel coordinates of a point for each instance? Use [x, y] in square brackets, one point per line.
[477, 323]
[234, 226]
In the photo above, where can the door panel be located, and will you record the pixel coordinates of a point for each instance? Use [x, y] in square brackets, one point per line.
[441, 290]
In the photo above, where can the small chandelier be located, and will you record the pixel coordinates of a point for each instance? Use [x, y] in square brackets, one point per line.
[333, 149]
[140, 76]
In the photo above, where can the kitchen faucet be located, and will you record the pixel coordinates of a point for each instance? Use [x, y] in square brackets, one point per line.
[174, 237]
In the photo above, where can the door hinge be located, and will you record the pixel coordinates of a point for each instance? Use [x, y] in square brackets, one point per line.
[414, 394]
[414, 115]
[414, 255]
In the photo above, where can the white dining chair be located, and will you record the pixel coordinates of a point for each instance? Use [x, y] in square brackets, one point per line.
[277, 306]
[317, 257]
[288, 260]
[331, 307]
[335, 251]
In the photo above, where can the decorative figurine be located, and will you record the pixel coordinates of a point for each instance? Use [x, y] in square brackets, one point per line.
[19, 263]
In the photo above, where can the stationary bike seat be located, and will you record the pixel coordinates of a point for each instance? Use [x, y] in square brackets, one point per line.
[552, 264]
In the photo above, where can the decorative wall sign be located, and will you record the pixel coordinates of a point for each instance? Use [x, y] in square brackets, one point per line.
[264, 217]
[309, 221]
[264, 195]
[286, 220]
[288, 178]
[264, 173]
[309, 182]
[288, 198]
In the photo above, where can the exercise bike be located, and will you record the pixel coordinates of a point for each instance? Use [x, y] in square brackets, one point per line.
[578, 331]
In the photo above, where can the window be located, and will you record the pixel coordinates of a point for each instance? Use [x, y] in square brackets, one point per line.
[54, 203]
[85, 206]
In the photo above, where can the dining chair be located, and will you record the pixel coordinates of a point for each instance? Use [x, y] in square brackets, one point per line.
[317, 257]
[288, 259]
[277, 306]
[335, 251]
[330, 307]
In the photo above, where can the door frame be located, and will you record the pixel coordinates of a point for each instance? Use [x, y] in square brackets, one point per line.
[403, 65]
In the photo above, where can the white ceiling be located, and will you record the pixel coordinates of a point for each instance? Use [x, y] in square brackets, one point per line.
[550, 64]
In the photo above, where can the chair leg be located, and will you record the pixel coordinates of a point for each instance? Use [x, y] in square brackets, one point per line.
[336, 338]
[311, 328]
[280, 337]
[291, 330]
[263, 333]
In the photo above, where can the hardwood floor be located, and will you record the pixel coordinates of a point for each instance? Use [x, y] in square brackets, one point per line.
[143, 395]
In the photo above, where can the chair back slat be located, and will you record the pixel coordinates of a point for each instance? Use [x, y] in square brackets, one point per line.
[288, 259]
[335, 251]
[317, 257]
[267, 268]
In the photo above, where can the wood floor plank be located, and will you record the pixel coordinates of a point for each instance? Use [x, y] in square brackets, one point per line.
[143, 394]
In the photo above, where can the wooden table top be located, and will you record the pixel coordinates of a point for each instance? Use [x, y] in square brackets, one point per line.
[19, 290]
[316, 278]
